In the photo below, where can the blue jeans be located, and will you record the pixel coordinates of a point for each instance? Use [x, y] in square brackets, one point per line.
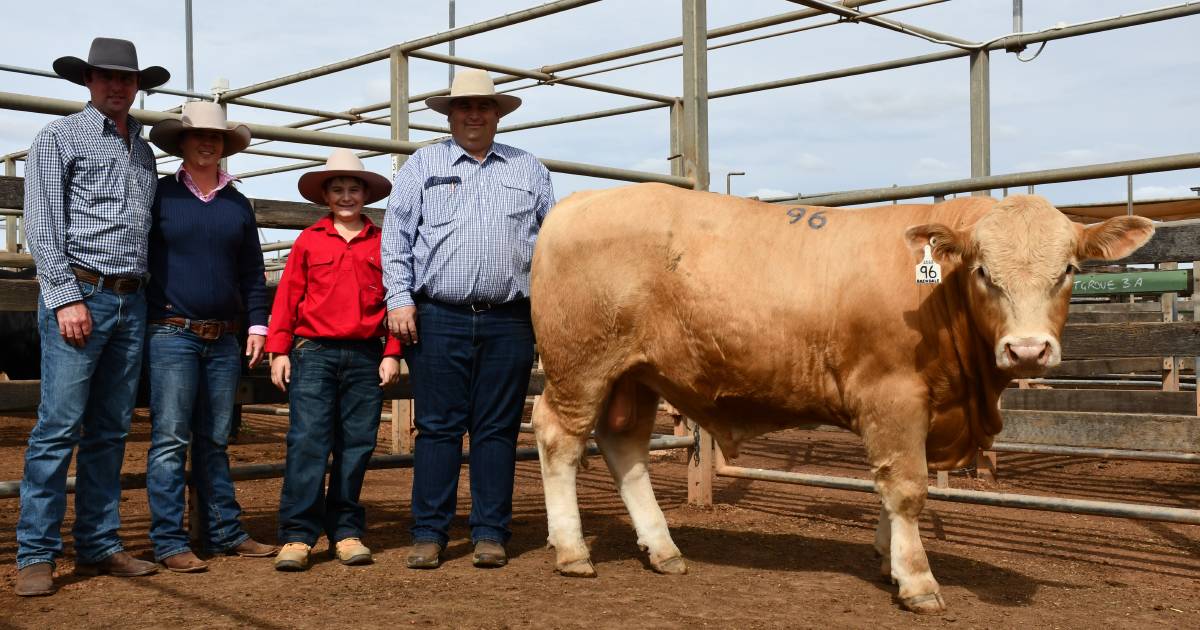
[88, 395]
[470, 373]
[334, 401]
[193, 383]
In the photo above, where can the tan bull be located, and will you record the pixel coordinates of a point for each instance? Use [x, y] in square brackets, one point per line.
[752, 317]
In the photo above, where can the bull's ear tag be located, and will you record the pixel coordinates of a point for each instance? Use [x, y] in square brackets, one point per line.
[928, 271]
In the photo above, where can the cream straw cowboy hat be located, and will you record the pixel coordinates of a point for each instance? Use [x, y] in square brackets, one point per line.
[473, 82]
[204, 115]
[107, 53]
[343, 163]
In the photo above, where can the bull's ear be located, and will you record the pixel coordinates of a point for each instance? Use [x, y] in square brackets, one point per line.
[948, 245]
[1115, 238]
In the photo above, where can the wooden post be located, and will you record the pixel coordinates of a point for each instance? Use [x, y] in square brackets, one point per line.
[1170, 312]
[700, 467]
[985, 465]
[403, 415]
[943, 479]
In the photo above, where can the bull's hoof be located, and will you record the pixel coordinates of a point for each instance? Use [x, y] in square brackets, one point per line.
[577, 568]
[675, 565]
[927, 604]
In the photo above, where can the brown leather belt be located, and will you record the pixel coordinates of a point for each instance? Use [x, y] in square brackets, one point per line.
[116, 284]
[207, 329]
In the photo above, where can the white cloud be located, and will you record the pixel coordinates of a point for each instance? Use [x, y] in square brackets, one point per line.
[768, 193]
[1162, 192]
[928, 168]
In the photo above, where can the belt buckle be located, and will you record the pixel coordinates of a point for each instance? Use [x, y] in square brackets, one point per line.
[210, 331]
[480, 307]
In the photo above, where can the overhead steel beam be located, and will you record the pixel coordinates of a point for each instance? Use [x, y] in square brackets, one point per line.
[379, 55]
[541, 76]
[892, 25]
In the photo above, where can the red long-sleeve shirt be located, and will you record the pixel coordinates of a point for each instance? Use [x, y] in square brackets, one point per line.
[331, 289]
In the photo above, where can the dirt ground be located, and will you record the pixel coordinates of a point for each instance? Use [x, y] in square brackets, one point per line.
[765, 556]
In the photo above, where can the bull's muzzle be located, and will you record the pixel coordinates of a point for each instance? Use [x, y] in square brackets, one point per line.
[1027, 355]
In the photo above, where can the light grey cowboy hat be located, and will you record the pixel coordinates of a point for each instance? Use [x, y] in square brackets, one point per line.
[343, 163]
[472, 82]
[107, 53]
[200, 115]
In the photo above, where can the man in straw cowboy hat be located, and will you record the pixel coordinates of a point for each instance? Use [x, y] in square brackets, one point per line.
[89, 183]
[326, 354]
[457, 245]
[206, 279]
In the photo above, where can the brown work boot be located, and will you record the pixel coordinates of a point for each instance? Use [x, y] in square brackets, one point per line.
[185, 562]
[35, 579]
[120, 564]
[489, 554]
[253, 549]
[425, 555]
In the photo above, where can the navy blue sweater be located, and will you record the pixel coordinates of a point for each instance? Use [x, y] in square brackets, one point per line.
[205, 258]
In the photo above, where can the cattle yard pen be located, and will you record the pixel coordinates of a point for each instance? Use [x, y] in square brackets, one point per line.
[1099, 348]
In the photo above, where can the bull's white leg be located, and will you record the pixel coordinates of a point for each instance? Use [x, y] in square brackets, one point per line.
[883, 543]
[627, 454]
[559, 453]
[902, 483]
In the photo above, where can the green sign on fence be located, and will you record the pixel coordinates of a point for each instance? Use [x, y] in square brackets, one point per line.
[1132, 282]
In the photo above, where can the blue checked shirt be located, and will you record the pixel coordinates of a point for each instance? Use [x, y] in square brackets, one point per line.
[87, 201]
[460, 231]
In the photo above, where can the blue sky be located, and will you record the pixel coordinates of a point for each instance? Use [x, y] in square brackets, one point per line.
[1112, 96]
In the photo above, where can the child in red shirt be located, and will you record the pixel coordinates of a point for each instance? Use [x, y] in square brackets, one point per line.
[326, 352]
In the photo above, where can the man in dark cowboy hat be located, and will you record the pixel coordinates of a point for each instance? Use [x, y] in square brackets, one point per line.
[89, 183]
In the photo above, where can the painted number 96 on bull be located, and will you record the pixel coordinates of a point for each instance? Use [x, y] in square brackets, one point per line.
[928, 271]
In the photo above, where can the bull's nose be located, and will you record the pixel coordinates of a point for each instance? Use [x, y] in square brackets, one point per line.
[1028, 352]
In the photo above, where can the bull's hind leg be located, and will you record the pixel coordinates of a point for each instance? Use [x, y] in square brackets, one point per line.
[624, 444]
[901, 477]
[883, 543]
[559, 452]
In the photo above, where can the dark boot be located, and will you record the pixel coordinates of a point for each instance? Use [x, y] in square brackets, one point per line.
[35, 579]
[120, 564]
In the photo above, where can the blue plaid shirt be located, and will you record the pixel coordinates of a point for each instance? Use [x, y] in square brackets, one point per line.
[87, 201]
[459, 230]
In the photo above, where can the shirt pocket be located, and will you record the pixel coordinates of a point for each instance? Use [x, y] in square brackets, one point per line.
[439, 203]
[94, 181]
[322, 276]
[516, 198]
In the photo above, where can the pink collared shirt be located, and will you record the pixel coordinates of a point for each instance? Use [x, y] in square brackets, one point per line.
[223, 180]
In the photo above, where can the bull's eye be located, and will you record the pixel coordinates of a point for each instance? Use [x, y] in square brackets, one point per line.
[983, 274]
[1071, 269]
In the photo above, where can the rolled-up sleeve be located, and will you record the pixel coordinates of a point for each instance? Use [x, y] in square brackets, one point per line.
[45, 220]
[399, 233]
[545, 196]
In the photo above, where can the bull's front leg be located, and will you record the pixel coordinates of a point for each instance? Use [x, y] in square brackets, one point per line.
[559, 453]
[901, 478]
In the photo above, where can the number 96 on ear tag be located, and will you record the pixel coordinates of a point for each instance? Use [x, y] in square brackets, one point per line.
[928, 271]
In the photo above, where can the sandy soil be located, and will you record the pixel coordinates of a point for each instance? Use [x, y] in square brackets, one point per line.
[766, 555]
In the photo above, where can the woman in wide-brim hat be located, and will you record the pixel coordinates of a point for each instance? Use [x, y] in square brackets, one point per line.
[206, 284]
[327, 327]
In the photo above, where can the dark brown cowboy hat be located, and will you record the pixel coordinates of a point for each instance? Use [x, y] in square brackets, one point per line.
[107, 53]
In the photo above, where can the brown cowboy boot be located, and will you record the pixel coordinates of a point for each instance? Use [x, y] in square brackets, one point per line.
[35, 579]
[120, 564]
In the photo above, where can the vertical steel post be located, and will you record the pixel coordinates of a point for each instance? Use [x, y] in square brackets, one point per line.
[187, 30]
[1129, 195]
[399, 77]
[10, 223]
[450, 78]
[981, 137]
[695, 93]
[403, 410]
[676, 154]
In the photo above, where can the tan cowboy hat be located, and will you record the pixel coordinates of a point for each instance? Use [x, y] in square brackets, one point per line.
[471, 82]
[205, 115]
[343, 163]
[107, 53]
